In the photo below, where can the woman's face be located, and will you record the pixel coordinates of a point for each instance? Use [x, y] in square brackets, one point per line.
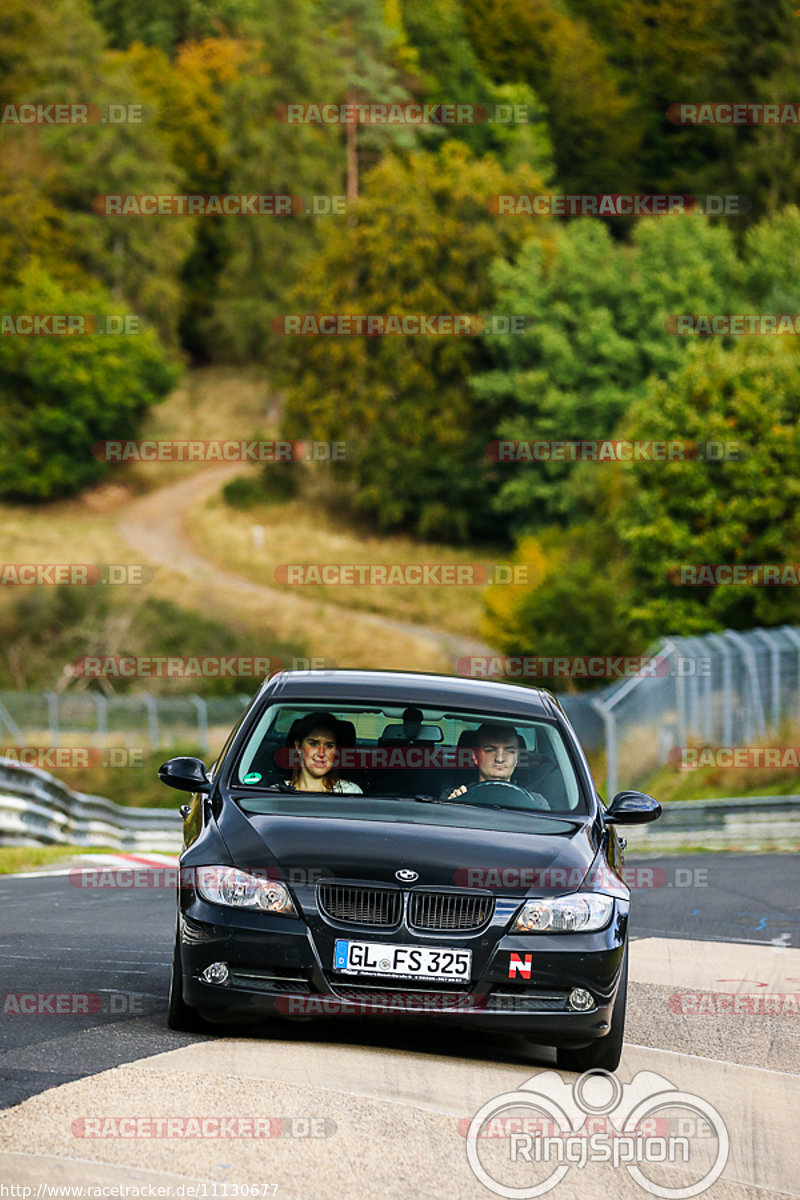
[318, 749]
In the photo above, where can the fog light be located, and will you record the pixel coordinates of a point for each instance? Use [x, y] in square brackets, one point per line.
[216, 973]
[581, 1000]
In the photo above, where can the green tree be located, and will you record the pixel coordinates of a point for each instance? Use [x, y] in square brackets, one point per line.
[61, 394]
[262, 257]
[597, 333]
[741, 510]
[422, 244]
[593, 125]
[139, 259]
[612, 585]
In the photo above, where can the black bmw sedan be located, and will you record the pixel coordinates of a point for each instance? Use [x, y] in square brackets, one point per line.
[379, 842]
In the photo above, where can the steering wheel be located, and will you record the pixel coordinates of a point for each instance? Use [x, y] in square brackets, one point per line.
[500, 791]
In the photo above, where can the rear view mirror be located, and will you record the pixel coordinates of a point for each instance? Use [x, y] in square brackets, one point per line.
[632, 808]
[186, 774]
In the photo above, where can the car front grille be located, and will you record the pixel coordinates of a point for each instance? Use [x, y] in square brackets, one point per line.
[379, 907]
[449, 912]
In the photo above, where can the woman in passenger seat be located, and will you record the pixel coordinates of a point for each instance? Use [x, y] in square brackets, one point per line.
[317, 737]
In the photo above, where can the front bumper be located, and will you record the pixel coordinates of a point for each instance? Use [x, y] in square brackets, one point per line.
[282, 967]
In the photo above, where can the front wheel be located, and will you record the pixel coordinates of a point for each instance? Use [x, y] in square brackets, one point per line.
[604, 1053]
[180, 1015]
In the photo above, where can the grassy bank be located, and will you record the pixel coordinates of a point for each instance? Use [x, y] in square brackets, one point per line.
[27, 858]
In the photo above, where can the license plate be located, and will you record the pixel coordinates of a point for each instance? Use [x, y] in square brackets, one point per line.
[410, 962]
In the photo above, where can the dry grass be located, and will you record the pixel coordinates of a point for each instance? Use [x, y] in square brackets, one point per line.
[297, 532]
[212, 403]
[222, 403]
[27, 858]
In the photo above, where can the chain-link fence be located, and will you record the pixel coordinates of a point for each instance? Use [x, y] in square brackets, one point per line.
[160, 722]
[719, 690]
[727, 689]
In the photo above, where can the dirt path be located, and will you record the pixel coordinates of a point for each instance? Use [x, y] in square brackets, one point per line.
[155, 525]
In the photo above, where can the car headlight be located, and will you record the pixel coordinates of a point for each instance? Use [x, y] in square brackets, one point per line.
[239, 889]
[583, 912]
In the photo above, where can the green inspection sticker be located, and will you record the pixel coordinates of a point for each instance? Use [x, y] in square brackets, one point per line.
[253, 777]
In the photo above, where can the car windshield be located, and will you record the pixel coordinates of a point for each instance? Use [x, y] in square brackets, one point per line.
[387, 752]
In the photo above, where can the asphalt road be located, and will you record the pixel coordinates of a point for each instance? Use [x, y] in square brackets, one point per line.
[109, 951]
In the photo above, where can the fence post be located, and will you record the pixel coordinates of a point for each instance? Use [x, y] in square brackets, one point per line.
[610, 727]
[151, 705]
[11, 725]
[727, 687]
[101, 704]
[757, 725]
[775, 676]
[794, 637]
[202, 720]
[52, 717]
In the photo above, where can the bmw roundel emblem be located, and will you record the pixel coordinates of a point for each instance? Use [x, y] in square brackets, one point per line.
[406, 876]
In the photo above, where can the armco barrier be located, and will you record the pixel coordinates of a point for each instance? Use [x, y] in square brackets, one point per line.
[38, 809]
[752, 822]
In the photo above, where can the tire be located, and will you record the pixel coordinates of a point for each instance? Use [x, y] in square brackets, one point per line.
[181, 1016]
[604, 1053]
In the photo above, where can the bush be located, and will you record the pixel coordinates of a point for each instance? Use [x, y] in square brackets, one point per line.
[59, 395]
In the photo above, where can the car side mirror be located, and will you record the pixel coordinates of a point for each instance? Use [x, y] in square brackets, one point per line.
[186, 774]
[632, 808]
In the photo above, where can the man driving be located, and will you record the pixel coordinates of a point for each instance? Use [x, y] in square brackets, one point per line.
[495, 754]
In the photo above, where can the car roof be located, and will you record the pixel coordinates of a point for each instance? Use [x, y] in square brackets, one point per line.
[412, 687]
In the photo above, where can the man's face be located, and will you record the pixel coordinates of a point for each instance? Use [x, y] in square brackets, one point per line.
[496, 758]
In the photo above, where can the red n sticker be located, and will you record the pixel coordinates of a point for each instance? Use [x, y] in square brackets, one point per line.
[520, 964]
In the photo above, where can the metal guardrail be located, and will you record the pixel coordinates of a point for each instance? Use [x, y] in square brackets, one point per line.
[38, 809]
[752, 822]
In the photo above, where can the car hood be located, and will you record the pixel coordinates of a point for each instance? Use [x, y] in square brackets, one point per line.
[527, 853]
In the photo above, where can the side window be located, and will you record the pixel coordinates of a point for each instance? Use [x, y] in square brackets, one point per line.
[213, 769]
